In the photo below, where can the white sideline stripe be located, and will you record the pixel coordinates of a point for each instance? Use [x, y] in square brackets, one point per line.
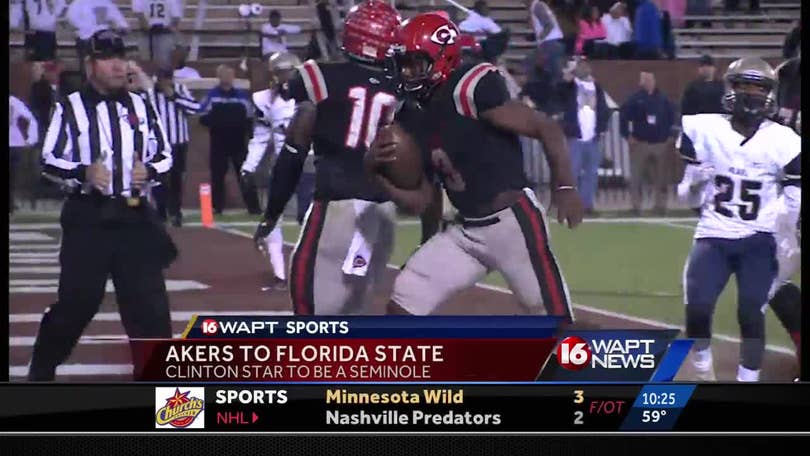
[46, 286]
[176, 315]
[406, 222]
[79, 370]
[54, 247]
[52, 260]
[28, 236]
[106, 339]
[17, 255]
[584, 308]
[34, 270]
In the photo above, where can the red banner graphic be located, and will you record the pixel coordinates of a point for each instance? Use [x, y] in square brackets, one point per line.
[343, 360]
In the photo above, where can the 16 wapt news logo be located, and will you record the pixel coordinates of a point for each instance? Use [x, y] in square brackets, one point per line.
[607, 355]
[179, 408]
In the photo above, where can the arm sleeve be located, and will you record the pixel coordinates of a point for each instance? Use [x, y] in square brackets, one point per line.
[286, 173]
[791, 161]
[309, 84]
[161, 162]
[792, 186]
[479, 90]
[58, 148]
[185, 100]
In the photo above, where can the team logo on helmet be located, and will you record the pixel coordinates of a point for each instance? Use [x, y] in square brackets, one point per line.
[444, 35]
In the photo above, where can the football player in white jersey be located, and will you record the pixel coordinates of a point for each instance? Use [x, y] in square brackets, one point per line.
[746, 169]
[270, 127]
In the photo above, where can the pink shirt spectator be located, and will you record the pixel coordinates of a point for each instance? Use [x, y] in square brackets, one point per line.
[589, 31]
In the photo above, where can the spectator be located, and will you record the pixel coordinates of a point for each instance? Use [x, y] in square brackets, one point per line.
[699, 8]
[704, 95]
[548, 55]
[567, 13]
[668, 39]
[23, 132]
[15, 14]
[793, 42]
[274, 35]
[228, 112]
[584, 120]
[652, 118]
[591, 29]
[734, 5]
[159, 21]
[478, 23]
[647, 31]
[181, 68]
[618, 32]
[40, 28]
[89, 17]
[44, 93]
[327, 21]
[676, 9]
[492, 38]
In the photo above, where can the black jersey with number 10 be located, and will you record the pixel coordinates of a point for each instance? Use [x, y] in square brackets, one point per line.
[349, 100]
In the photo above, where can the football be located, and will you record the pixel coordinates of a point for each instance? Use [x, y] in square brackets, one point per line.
[406, 171]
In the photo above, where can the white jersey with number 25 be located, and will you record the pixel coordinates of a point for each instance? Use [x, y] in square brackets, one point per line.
[742, 195]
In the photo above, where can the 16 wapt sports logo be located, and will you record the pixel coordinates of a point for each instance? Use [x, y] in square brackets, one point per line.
[625, 355]
[179, 408]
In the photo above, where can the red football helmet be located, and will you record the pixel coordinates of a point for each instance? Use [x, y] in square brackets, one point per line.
[428, 49]
[369, 31]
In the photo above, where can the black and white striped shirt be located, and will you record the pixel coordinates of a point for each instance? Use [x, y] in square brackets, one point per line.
[174, 111]
[86, 126]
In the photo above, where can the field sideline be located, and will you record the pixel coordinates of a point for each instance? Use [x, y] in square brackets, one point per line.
[602, 272]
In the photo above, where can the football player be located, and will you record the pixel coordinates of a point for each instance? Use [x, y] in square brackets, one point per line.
[274, 113]
[473, 126]
[738, 166]
[786, 297]
[348, 233]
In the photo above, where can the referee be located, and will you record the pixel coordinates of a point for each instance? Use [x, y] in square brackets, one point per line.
[174, 103]
[107, 144]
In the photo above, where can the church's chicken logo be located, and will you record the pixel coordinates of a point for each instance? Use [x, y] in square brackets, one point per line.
[179, 409]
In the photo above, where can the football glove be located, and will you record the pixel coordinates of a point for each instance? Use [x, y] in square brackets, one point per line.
[263, 229]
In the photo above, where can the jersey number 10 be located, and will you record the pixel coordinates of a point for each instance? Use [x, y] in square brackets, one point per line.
[366, 114]
[725, 193]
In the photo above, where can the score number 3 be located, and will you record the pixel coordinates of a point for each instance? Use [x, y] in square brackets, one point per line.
[366, 114]
[579, 397]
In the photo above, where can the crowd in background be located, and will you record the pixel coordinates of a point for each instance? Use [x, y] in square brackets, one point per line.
[557, 77]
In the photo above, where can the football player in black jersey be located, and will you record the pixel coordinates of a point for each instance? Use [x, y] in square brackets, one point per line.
[348, 233]
[785, 296]
[473, 129]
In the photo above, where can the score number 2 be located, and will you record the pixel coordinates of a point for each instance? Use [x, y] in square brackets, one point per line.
[366, 114]
[579, 397]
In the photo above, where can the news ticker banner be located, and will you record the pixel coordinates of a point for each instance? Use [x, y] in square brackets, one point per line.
[405, 408]
[407, 349]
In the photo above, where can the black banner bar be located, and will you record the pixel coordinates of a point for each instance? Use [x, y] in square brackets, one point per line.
[402, 408]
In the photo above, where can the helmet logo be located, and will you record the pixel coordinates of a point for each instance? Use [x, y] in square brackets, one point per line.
[444, 35]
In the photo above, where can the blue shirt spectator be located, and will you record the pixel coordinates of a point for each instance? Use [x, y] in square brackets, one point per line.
[647, 31]
[651, 114]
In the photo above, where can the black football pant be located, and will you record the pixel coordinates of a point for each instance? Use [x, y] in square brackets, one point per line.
[97, 243]
[169, 195]
[221, 155]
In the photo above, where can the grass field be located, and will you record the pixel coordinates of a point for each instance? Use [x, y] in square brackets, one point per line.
[630, 267]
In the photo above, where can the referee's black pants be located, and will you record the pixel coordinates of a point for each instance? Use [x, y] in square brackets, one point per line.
[103, 238]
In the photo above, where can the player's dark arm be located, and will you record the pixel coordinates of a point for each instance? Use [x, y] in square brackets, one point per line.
[290, 161]
[414, 201]
[432, 216]
[518, 118]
